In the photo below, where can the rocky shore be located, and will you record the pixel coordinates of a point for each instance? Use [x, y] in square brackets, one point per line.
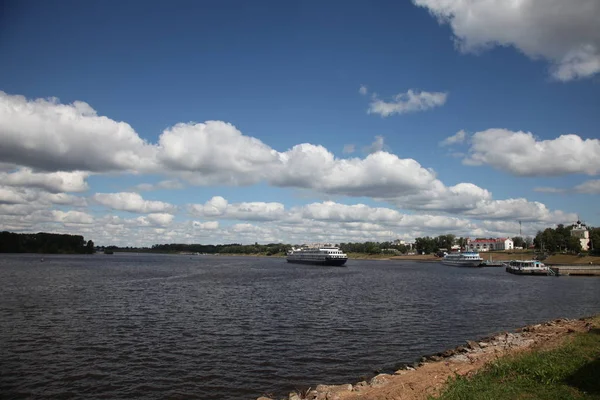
[426, 377]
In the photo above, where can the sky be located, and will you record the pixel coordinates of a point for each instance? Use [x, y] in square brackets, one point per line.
[137, 123]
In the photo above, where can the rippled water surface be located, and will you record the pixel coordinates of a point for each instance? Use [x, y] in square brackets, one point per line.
[210, 327]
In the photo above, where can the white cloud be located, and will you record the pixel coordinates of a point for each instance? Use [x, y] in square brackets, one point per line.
[518, 209]
[521, 154]
[379, 174]
[162, 219]
[209, 225]
[331, 211]
[37, 198]
[218, 207]
[459, 137]
[132, 202]
[53, 182]
[563, 32]
[215, 152]
[411, 101]
[72, 217]
[50, 136]
[438, 197]
[363, 90]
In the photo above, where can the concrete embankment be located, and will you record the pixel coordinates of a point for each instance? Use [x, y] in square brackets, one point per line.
[430, 375]
[582, 270]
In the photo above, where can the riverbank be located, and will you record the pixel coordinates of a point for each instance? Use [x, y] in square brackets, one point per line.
[455, 373]
[558, 259]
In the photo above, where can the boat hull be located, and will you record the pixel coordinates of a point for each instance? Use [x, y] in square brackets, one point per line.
[527, 272]
[463, 263]
[332, 262]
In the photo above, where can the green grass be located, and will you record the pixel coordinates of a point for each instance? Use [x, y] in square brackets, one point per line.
[571, 371]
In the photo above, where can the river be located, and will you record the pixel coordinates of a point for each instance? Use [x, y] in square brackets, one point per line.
[218, 327]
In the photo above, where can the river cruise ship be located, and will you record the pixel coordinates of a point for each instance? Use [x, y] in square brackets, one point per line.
[322, 255]
[528, 267]
[466, 259]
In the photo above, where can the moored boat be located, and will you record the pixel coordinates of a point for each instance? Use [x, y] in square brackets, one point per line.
[466, 259]
[528, 267]
[322, 255]
[492, 263]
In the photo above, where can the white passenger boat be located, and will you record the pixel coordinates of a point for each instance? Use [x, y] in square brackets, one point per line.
[323, 255]
[528, 267]
[466, 259]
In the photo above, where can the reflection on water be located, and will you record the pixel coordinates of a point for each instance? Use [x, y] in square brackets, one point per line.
[157, 326]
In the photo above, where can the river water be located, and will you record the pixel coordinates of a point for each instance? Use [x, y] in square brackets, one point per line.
[216, 327]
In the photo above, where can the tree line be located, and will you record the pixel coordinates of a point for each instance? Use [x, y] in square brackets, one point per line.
[48, 243]
[232, 248]
[559, 240]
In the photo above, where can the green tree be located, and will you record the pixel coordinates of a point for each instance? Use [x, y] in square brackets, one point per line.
[518, 241]
[574, 244]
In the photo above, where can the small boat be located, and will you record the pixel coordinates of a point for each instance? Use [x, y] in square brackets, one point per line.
[528, 267]
[323, 255]
[492, 263]
[466, 259]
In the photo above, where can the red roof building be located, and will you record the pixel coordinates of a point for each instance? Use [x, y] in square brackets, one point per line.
[491, 244]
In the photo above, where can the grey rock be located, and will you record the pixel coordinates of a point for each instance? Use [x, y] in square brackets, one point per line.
[380, 380]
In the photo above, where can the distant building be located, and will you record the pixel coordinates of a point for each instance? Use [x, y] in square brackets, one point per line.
[491, 244]
[581, 232]
[399, 242]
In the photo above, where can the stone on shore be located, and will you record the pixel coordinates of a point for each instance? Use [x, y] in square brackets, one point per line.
[380, 380]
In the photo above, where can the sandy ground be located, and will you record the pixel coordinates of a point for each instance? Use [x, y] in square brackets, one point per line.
[430, 376]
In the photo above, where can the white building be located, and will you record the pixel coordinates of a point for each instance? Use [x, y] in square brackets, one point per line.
[491, 244]
[581, 232]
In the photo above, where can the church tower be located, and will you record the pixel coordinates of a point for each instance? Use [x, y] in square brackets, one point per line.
[581, 232]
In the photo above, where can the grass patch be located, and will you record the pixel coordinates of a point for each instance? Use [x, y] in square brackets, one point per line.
[571, 371]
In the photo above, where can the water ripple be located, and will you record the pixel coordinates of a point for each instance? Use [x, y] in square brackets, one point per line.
[154, 326]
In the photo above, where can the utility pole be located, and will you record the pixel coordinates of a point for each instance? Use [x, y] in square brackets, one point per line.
[520, 231]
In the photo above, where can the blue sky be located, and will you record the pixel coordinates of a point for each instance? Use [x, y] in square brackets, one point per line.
[92, 93]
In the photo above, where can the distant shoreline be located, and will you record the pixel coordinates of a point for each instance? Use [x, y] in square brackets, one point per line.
[557, 259]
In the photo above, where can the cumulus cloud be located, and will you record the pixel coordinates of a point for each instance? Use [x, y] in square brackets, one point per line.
[215, 152]
[46, 134]
[132, 202]
[521, 154]
[459, 137]
[72, 217]
[379, 174]
[162, 219]
[37, 198]
[363, 90]
[411, 101]
[438, 197]
[50, 136]
[52, 182]
[208, 225]
[218, 207]
[519, 209]
[563, 32]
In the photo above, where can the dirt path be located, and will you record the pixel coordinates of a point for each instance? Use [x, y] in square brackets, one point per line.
[428, 378]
